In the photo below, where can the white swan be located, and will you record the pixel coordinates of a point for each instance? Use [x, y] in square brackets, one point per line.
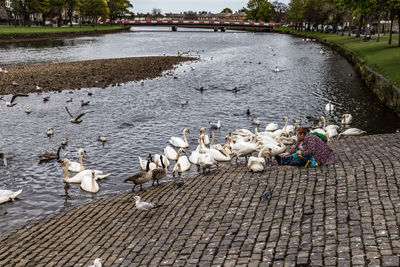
[215, 125]
[257, 164]
[194, 157]
[79, 176]
[77, 166]
[271, 127]
[204, 136]
[246, 150]
[352, 131]
[143, 164]
[347, 119]
[89, 183]
[182, 164]
[170, 153]
[329, 107]
[179, 142]
[330, 130]
[161, 158]
[8, 195]
[206, 160]
[288, 128]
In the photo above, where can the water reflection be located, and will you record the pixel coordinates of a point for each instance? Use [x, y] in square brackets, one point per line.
[139, 119]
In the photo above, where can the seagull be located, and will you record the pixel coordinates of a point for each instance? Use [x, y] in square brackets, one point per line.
[69, 99]
[140, 205]
[84, 103]
[46, 98]
[38, 87]
[321, 51]
[97, 263]
[11, 103]
[89, 93]
[201, 89]
[184, 102]
[77, 119]
[3, 156]
[267, 193]
[50, 132]
[180, 183]
[102, 139]
[28, 110]
[215, 125]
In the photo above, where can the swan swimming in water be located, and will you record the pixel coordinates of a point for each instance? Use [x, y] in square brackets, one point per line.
[8, 195]
[329, 107]
[352, 132]
[346, 119]
[80, 175]
[77, 166]
[179, 142]
[89, 183]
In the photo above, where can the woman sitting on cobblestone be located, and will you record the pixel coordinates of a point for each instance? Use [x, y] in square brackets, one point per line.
[309, 151]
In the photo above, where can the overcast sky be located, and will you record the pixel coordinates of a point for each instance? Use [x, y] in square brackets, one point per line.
[177, 6]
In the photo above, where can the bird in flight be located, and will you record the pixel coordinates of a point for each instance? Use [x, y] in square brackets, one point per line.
[11, 103]
[75, 119]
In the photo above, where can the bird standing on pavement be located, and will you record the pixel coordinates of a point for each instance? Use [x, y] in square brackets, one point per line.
[97, 263]
[180, 183]
[267, 193]
[141, 205]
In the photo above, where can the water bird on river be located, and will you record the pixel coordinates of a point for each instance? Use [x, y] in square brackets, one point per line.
[46, 98]
[329, 107]
[248, 112]
[28, 110]
[50, 156]
[255, 121]
[77, 119]
[84, 103]
[184, 102]
[69, 99]
[316, 121]
[89, 183]
[201, 89]
[346, 119]
[140, 178]
[159, 173]
[3, 157]
[321, 51]
[11, 103]
[8, 195]
[276, 69]
[89, 93]
[214, 125]
[38, 88]
[102, 139]
[64, 142]
[50, 132]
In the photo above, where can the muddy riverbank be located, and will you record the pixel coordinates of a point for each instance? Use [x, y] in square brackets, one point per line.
[82, 74]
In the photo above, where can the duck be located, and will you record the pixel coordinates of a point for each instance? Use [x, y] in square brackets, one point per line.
[184, 102]
[77, 166]
[89, 183]
[46, 98]
[352, 132]
[144, 163]
[69, 99]
[346, 119]
[80, 175]
[84, 103]
[50, 156]
[89, 93]
[276, 69]
[102, 139]
[214, 125]
[257, 164]
[140, 178]
[182, 163]
[8, 195]
[64, 142]
[50, 132]
[159, 173]
[28, 110]
[179, 142]
[329, 107]
[271, 127]
[255, 121]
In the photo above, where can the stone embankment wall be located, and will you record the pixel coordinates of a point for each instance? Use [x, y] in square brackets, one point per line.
[387, 92]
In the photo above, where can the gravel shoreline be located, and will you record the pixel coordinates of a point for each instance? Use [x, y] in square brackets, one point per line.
[84, 74]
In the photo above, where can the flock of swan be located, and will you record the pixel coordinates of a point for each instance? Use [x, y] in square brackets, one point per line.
[239, 143]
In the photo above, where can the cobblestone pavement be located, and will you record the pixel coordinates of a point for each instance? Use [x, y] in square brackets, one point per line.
[346, 215]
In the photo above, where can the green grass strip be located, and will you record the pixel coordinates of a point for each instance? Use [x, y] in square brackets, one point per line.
[54, 29]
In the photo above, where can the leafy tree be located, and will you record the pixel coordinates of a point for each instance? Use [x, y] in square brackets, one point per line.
[280, 11]
[94, 9]
[71, 6]
[227, 10]
[259, 10]
[118, 8]
[296, 11]
[58, 6]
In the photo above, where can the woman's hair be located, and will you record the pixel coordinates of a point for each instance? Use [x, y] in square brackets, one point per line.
[303, 130]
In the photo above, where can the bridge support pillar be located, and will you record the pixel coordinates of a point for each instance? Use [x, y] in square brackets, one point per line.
[174, 28]
[222, 29]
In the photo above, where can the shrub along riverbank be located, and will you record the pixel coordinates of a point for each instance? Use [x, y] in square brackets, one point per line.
[377, 62]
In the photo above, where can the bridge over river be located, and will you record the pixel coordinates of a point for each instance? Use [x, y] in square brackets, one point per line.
[215, 25]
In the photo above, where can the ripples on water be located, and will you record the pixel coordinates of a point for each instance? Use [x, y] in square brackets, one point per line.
[138, 120]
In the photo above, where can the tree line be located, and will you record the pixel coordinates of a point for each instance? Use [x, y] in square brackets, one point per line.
[28, 12]
[353, 15]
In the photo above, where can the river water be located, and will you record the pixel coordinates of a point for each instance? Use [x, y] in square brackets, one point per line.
[139, 119]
